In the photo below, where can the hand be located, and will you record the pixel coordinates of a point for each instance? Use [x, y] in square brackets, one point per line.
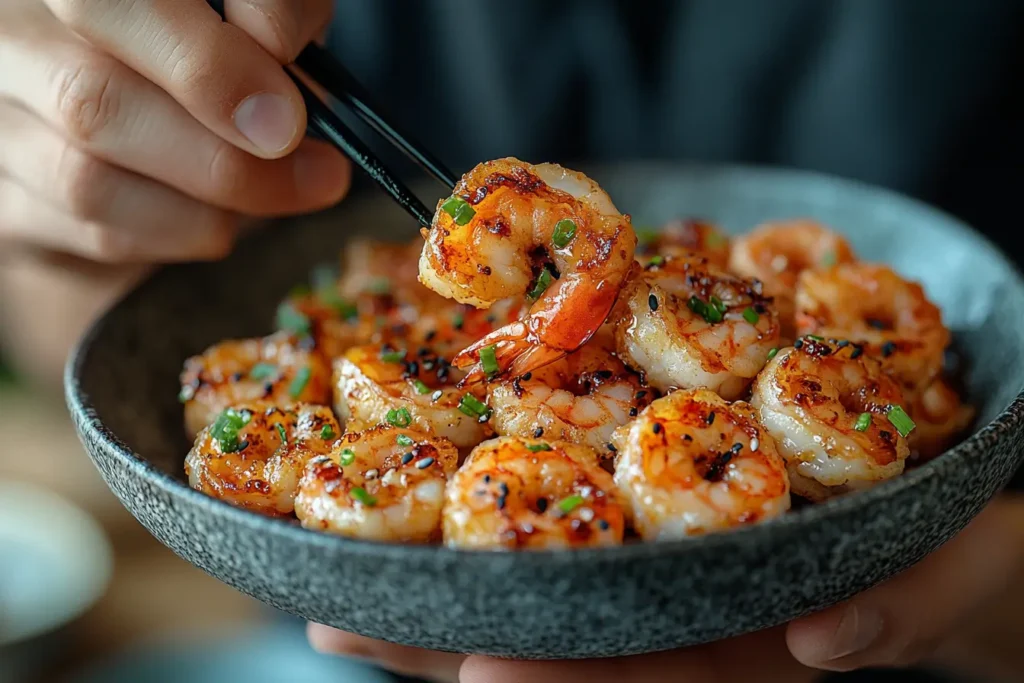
[144, 130]
[898, 623]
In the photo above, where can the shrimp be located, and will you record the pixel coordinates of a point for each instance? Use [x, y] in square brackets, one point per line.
[252, 456]
[384, 484]
[687, 325]
[776, 253]
[940, 417]
[516, 493]
[513, 228]
[408, 387]
[277, 368]
[890, 317]
[691, 464]
[582, 398]
[836, 416]
[681, 238]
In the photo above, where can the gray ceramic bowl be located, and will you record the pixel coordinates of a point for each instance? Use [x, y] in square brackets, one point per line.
[122, 383]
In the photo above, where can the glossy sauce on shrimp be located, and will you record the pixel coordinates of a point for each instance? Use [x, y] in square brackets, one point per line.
[513, 229]
[531, 494]
[692, 463]
[279, 369]
[837, 418]
[383, 484]
[253, 454]
[688, 325]
[682, 239]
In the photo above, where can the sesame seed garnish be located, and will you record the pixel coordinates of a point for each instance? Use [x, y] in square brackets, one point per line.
[503, 487]
[407, 458]
[610, 446]
[602, 524]
[586, 514]
[436, 395]
[656, 428]
[640, 394]
[711, 418]
[856, 353]
[501, 502]
[843, 343]
[372, 474]
[652, 301]
[888, 348]
[538, 432]
[633, 411]
[798, 343]
[754, 444]
[542, 504]
[687, 437]
[736, 447]
[424, 463]
[487, 479]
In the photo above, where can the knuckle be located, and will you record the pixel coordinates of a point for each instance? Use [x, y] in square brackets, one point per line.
[197, 67]
[81, 179]
[88, 97]
[228, 172]
[105, 244]
[76, 13]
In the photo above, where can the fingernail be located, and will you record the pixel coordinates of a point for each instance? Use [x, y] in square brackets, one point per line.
[858, 630]
[268, 121]
[321, 175]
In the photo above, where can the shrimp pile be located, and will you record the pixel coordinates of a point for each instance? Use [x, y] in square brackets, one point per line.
[533, 373]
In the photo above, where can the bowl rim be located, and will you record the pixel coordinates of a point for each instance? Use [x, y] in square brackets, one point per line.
[1009, 420]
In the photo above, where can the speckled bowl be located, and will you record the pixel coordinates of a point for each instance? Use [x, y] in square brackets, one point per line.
[122, 383]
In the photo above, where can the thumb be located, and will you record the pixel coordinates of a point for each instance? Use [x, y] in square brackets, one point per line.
[901, 621]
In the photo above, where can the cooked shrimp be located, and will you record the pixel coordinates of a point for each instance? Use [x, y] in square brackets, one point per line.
[408, 388]
[277, 368]
[836, 416]
[253, 454]
[776, 254]
[890, 317]
[384, 484]
[513, 228]
[692, 464]
[681, 238]
[687, 325]
[581, 398]
[940, 417]
[526, 493]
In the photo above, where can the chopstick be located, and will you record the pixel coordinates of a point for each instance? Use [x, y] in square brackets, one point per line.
[323, 70]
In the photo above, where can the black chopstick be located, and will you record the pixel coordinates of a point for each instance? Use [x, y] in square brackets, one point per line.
[324, 121]
[330, 74]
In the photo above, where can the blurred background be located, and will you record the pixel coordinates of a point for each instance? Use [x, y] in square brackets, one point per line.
[920, 96]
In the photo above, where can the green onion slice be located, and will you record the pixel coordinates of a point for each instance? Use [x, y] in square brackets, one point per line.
[327, 433]
[750, 315]
[263, 371]
[292, 319]
[347, 457]
[543, 282]
[472, 406]
[404, 440]
[225, 429]
[489, 360]
[392, 355]
[570, 503]
[900, 420]
[773, 353]
[863, 422]
[298, 384]
[565, 230]
[360, 494]
[460, 211]
[538, 447]
[421, 387]
[399, 417]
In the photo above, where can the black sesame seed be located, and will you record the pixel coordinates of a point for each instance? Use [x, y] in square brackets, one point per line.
[503, 487]
[610, 446]
[798, 343]
[843, 343]
[656, 428]
[527, 377]
[737, 447]
[501, 502]
[633, 411]
[242, 446]
[487, 479]
[407, 458]
[538, 432]
[423, 351]
[888, 348]
[268, 388]
[687, 437]
[430, 335]
[640, 394]
[542, 504]
[857, 351]
[711, 418]
[237, 377]
[652, 301]
[603, 524]
[413, 368]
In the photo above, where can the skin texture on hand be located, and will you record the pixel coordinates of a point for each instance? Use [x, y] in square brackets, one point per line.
[898, 623]
[140, 132]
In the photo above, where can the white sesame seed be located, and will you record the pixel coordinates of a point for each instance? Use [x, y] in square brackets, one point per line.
[754, 444]
[389, 478]
[371, 475]
[586, 514]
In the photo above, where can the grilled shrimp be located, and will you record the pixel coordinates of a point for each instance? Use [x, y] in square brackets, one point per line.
[940, 417]
[253, 454]
[682, 238]
[836, 416]
[891, 318]
[581, 398]
[276, 368]
[692, 464]
[776, 254]
[408, 388]
[525, 493]
[513, 228]
[688, 325]
[384, 484]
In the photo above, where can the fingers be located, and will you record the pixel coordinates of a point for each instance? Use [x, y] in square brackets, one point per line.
[218, 73]
[410, 661]
[758, 657]
[282, 27]
[903, 620]
[104, 108]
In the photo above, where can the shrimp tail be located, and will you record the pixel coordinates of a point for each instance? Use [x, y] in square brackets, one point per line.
[515, 350]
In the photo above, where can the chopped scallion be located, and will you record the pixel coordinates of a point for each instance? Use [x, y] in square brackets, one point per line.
[900, 420]
[489, 361]
[538, 447]
[281, 433]
[360, 494]
[225, 429]
[565, 230]
[347, 457]
[421, 388]
[263, 371]
[392, 355]
[404, 440]
[472, 406]
[863, 422]
[773, 353]
[460, 211]
[399, 417]
[291, 319]
[327, 433]
[543, 282]
[298, 384]
[750, 315]
[656, 260]
[570, 503]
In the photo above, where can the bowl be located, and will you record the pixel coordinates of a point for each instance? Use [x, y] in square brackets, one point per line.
[121, 386]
